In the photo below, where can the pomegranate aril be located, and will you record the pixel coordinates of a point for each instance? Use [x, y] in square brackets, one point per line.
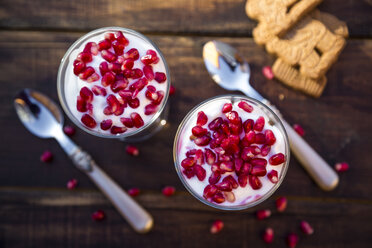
[113, 102]
[191, 153]
[88, 121]
[255, 149]
[46, 157]
[273, 176]
[69, 130]
[299, 129]
[188, 162]
[91, 47]
[79, 67]
[243, 180]
[248, 125]
[127, 64]
[270, 137]
[86, 94]
[254, 182]
[127, 122]
[259, 124]
[259, 162]
[268, 235]
[263, 214]
[231, 180]
[148, 72]
[98, 215]
[85, 57]
[189, 173]
[106, 124]
[118, 47]
[246, 154]
[341, 167]
[209, 191]
[199, 157]
[87, 72]
[214, 177]
[215, 124]
[94, 77]
[202, 141]
[246, 169]
[216, 227]
[306, 228]
[260, 138]
[159, 97]
[138, 86]
[199, 172]
[108, 56]
[250, 137]
[267, 72]
[258, 170]
[109, 36]
[224, 158]
[108, 79]
[114, 67]
[150, 109]
[202, 119]
[281, 203]
[224, 186]
[198, 131]
[292, 240]
[132, 54]
[245, 106]
[72, 184]
[81, 104]
[238, 164]
[137, 120]
[168, 191]
[99, 91]
[229, 196]
[132, 150]
[121, 38]
[104, 44]
[119, 85]
[277, 159]
[227, 107]
[107, 110]
[133, 192]
[210, 156]
[126, 94]
[172, 90]
[118, 130]
[227, 166]
[160, 77]
[265, 149]
[151, 52]
[233, 117]
[218, 197]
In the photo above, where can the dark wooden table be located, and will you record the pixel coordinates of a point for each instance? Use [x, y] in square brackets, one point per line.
[36, 209]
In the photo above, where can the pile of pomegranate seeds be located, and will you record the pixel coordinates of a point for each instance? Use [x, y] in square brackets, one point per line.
[98, 215]
[236, 151]
[133, 192]
[46, 157]
[217, 226]
[117, 75]
[72, 184]
[168, 191]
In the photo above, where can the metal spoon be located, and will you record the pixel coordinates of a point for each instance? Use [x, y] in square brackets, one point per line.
[42, 117]
[231, 72]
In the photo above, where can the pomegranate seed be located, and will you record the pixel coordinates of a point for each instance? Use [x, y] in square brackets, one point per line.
[202, 119]
[198, 131]
[98, 215]
[199, 172]
[106, 124]
[245, 106]
[148, 72]
[151, 95]
[281, 203]
[224, 158]
[132, 54]
[263, 214]
[242, 180]
[85, 57]
[94, 77]
[187, 162]
[69, 130]
[132, 150]
[224, 186]
[233, 117]
[113, 102]
[231, 180]
[103, 68]
[104, 45]
[217, 226]
[99, 91]
[254, 182]
[114, 67]
[108, 79]
[79, 66]
[306, 228]
[151, 52]
[227, 107]
[227, 166]
[341, 167]
[127, 64]
[259, 124]
[214, 177]
[246, 169]
[88, 121]
[159, 98]
[119, 111]
[238, 164]
[258, 170]
[107, 110]
[218, 197]
[268, 235]
[199, 157]
[46, 157]
[248, 125]
[292, 240]
[270, 137]
[160, 77]
[109, 36]
[118, 130]
[189, 173]
[209, 191]
[168, 191]
[86, 94]
[133, 192]
[273, 176]
[119, 85]
[118, 47]
[202, 141]
[126, 94]
[150, 109]
[172, 90]
[127, 122]
[87, 72]
[229, 196]
[137, 120]
[250, 137]
[277, 159]
[215, 124]
[265, 149]
[260, 138]
[121, 38]
[267, 72]
[91, 47]
[247, 154]
[259, 162]
[81, 104]
[210, 157]
[138, 85]
[72, 184]
[108, 56]
[299, 129]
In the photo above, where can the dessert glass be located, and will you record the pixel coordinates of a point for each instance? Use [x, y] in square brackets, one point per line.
[183, 133]
[150, 127]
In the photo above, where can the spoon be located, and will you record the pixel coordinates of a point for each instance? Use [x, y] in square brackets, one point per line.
[43, 118]
[231, 72]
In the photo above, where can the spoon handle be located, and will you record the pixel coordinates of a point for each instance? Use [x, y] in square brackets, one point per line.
[136, 216]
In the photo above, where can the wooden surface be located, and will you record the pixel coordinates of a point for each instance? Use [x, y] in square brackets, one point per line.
[36, 210]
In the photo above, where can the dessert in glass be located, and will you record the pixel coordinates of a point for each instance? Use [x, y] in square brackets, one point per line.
[231, 152]
[114, 82]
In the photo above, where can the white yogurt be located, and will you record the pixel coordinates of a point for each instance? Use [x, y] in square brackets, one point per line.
[242, 195]
[73, 84]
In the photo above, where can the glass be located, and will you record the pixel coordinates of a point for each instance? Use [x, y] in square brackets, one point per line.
[274, 120]
[158, 120]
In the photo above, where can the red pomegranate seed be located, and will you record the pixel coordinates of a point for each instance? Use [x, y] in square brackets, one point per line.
[168, 191]
[81, 104]
[199, 172]
[114, 67]
[254, 182]
[267, 72]
[138, 85]
[246, 169]
[79, 66]
[202, 141]
[132, 150]
[88, 121]
[159, 97]
[150, 109]
[108, 56]
[188, 162]
[172, 90]
[263, 214]
[118, 47]
[202, 119]
[341, 167]
[86, 94]
[259, 124]
[109, 36]
[265, 149]
[134, 192]
[210, 157]
[245, 106]
[231, 180]
[94, 77]
[250, 137]
[87, 72]
[258, 170]
[238, 164]
[281, 203]
[137, 120]
[46, 157]
[189, 173]
[224, 186]
[214, 177]
[258, 162]
[148, 72]
[127, 122]
[209, 191]
[218, 197]
[306, 228]
[103, 68]
[119, 111]
[242, 180]
[107, 110]
[113, 102]
[126, 94]
[270, 137]
[132, 54]
[198, 131]
[229, 196]
[118, 130]
[151, 95]
[246, 154]
[248, 125]
[299, 129]
[99, 91]
[151, 52]
[108, 79]
[121, 38]
[127, 64]
[227, 166]
[104, 45]
[106, 124]
[268, 235]
[160, 77]
[227, 107]
[119, 85]
[85, 57]
[277, 159]
[91, 47]
[69, 130]
[292, 240]
[273, 176]
[215, 124]
[72, 184]
[98, 215]
[217, 226]
[199, 157]
[260, 138]
[233, 117]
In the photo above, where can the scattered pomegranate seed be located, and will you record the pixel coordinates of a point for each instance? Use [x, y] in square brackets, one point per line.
[219, 197]
[46, 157]
[108, 79]
[137, 120]
[91, 47]
[227, 107]
[69, 130]
[172, 90]
[341, 167]
[104, 45]
[292, 240]
[106, 124]
[72, 184]
[103, 68]
[132, 54]
[217, 226]
[160, 77]
[132, 150]
[86, 94]
[99, 91]
[263, 214]
[148, 72]
[118, 47]
[270, 137]
[150, 109]
[273, 176]
[134, 192]
[99, 215]
[87, 72]
[268, 235]
[79, 66]
[134, 103]
[267, 72]
[198, 131]
[306, 228]
[254, 182]
[202, 141]
[281, 203]
[299, 129]
[85, 57]
[265, 149]
[88, 121]
[127, 122]
[118, 130]
[259, 124]
[168, 191]
[188, 162]
[277, 159]
[109, 36]
[108, 56]
[259, 170]
[245, 106]
[215, 124]
[121, 38]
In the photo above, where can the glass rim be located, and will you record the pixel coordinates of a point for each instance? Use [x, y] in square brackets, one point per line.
[177, 165]
[61, 92]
